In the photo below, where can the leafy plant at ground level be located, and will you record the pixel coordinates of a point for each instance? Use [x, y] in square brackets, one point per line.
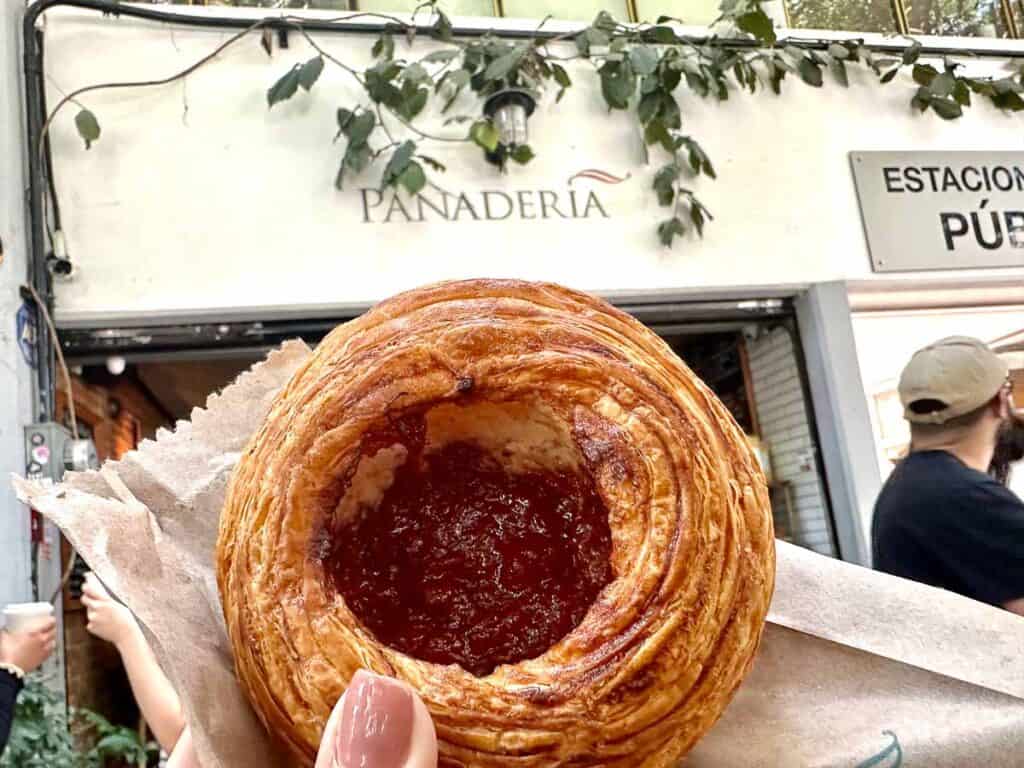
[41, 736]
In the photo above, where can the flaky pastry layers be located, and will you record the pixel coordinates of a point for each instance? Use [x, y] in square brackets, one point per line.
[538, 375]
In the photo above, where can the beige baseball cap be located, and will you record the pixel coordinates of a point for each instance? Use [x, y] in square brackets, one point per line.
[959, 372]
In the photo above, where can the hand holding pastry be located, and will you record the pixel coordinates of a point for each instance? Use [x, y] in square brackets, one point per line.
[379, 722]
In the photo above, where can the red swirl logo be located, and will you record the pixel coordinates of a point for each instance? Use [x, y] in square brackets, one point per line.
[598, 175]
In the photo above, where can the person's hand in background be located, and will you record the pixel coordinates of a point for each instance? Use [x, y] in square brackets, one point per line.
[28, 650]
[379, 722]
[111, 621]
[108, 619]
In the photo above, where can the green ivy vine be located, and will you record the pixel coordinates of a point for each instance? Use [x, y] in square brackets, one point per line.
[640, 68]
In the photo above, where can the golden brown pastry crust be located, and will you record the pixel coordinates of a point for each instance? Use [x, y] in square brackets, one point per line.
[663, 649]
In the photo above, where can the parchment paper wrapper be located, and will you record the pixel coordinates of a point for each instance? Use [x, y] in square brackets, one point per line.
[857, 669]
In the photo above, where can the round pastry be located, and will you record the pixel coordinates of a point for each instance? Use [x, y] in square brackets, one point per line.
[517, 499]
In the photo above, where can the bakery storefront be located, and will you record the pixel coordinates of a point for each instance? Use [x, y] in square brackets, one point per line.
[200, 229]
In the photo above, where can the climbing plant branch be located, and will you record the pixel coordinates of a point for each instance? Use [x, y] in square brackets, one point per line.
[641, 69]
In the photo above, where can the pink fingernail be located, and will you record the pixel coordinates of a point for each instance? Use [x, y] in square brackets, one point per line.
[376, 724]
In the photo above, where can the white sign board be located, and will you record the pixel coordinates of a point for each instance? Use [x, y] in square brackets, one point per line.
[941, 210]
[198, 202]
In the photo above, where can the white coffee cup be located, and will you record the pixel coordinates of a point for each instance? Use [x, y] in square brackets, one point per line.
[26, 617]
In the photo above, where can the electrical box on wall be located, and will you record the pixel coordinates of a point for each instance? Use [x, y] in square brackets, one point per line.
[50, 451]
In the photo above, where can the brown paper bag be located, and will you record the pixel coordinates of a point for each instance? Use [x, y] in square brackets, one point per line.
[856, 669]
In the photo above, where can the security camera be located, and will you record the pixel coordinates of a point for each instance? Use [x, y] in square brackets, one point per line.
[59, 267]
[751, 332]
[58, 263]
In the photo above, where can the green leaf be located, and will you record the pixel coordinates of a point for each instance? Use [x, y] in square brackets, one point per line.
[560, 75]
[118, 743]
[669, 229]
[413, 178]
[888, 76]
[649, 107]
[838, 51]
[439, 57]
[416, 74]
[1007, 85]
[912, 54]
[596, 38]
[697, 216]
[484, 135]
[617, 84]
[699, 161]
[665, 184]
[1008, 100]
[923, 74]
[810, 72]
[435, 165]
[657, 133]
[661, 35]
[412, 100]
[344, 117]
[921, 99]
[962, 94]
[501, 66]
[358, 130]
[582, 44]
[384, 48]
[838, 69]
[379, 86]
[777, 69]
[644, 60]
[670, 114]
[397, 164]
[88, 127]
[758, 24]
[522, 154]
[721, 89]
[285, 87]
[698, 84]
[442, 29]
[455, 80]
[943, 85]
[947, 109]
[357, 157]
[310, 72]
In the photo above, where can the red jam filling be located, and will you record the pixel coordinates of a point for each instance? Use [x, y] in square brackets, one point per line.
[463, 563]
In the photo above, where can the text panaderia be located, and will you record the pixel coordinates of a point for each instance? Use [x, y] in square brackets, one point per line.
[485, 205]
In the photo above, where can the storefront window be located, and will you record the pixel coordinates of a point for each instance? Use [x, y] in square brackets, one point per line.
[842, 15]
[451, 7]
[695, 12]
[964, 18]
[577, 10]
[953, 18]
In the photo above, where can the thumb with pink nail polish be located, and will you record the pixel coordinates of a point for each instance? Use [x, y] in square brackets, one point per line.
[379, 722]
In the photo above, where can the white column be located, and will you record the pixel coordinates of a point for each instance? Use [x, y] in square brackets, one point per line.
[16, 378]
[840, 408]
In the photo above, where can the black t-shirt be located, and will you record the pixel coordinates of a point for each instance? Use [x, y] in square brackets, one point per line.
[942, 523]
[10, 686]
